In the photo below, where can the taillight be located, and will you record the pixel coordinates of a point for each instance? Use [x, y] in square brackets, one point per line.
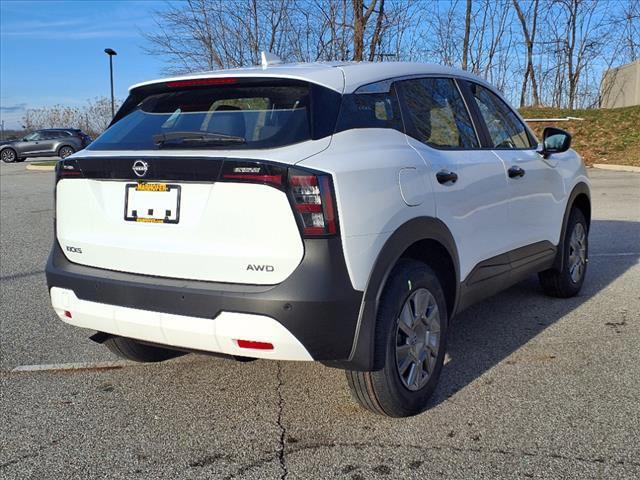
[253, 172]
[312, 197]
[67, 169]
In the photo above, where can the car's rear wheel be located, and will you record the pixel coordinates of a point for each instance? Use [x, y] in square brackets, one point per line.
[8, 155]
[130, 349]
[568, 281]
[65, 151]
[411, 334]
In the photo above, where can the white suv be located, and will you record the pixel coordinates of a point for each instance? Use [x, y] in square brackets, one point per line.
[340, 213]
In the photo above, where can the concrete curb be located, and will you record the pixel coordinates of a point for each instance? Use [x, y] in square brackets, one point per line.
[41, 168]
[618, 168]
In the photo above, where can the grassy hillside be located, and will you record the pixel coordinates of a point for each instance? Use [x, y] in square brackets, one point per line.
[604, 136]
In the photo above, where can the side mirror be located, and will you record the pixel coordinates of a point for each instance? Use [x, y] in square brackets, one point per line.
[554, 140]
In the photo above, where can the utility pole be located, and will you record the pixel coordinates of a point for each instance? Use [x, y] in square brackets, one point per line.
[111, 52]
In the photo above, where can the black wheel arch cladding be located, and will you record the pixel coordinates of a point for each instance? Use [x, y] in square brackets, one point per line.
[363, 355]
[580, 197]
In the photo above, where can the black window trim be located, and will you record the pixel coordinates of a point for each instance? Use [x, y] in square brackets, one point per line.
[408, 122]
[487, 143]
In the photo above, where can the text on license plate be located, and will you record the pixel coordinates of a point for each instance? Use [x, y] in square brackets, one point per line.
[152, 202]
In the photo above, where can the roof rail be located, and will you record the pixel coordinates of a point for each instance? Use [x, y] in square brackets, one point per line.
[269, 58]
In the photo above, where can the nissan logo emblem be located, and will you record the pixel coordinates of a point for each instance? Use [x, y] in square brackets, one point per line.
[140, 168]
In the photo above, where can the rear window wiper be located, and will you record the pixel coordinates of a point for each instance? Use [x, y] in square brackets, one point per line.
[179, 139]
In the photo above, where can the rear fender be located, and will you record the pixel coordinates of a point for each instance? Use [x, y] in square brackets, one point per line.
[363, 355]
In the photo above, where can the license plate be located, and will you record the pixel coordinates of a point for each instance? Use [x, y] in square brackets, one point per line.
[152, 203]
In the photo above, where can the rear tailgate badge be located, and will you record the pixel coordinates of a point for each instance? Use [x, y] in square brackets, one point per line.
[140, 168]
[260, 268]
[73, 249]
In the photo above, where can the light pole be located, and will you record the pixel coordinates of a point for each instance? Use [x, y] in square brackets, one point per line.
[111, 52]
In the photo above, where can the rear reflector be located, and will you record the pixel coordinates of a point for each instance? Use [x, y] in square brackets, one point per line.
[199, 82]
[67, 313]
[254, 345]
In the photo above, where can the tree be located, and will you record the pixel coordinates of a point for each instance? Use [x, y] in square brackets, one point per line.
[529, 38]
[467, 32]
[92, 118]
[550, 52]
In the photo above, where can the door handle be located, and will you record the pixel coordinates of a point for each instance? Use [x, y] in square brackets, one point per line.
[515, 172]
[445, 177]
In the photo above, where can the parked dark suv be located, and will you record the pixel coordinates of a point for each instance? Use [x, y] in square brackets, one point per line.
[53, 142]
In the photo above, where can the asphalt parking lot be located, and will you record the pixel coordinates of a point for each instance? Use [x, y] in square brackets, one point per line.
[534, 388]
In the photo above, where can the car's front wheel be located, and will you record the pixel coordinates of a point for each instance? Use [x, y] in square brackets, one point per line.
[568, 281]
[8, 155]
[65, 151]
[130, 349]
[411, 335]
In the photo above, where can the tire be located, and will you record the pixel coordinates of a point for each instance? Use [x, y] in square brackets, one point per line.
[65, 151]
[567, 282]
[412, 287]
[130, 349]
[8, 155]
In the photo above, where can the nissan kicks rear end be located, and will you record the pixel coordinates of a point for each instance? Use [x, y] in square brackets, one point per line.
[187, 225]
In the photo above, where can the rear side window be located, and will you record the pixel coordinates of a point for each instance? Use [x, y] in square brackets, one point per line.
[505, 128]
[257, 113]
[32, 137]
[370, 110]
[437, 113]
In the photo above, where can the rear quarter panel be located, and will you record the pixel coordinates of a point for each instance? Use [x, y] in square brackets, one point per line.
[365, 165]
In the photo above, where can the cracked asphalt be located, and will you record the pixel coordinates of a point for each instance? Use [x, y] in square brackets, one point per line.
[535, 387]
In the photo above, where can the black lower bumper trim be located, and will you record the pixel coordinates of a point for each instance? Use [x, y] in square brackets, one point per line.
[317, 303]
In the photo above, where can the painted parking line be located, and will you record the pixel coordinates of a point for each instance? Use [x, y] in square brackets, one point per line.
[62, 367]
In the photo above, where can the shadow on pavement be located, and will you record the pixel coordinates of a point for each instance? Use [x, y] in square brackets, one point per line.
[493, 329]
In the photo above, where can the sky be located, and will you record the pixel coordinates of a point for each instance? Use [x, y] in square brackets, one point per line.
[52, 52]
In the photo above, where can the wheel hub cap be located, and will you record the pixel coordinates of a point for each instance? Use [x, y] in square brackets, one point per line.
[417, 339]
[577, 253]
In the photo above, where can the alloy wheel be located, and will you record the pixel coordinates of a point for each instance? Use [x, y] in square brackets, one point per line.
[8, 155]
[65, 152]
[577, 252]
[417, 339]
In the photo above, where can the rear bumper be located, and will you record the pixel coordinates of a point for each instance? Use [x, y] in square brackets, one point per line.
[220, 335]
[316, 304]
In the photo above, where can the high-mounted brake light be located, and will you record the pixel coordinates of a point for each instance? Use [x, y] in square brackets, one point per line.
[313, 200]
[200, 82]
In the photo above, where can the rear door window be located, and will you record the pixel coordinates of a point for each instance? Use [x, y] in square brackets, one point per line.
[249, 115]
[437, 114]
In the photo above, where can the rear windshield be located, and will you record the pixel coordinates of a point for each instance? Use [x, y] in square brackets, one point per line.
[248, 115]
